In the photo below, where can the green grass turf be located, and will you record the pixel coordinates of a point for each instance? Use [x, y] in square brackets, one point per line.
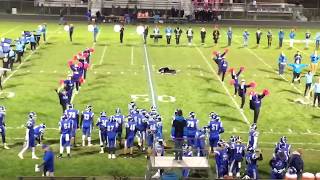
[116, 76]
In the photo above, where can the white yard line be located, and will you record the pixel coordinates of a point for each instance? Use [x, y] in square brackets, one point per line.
[10, 30]
[24, 60]
[224, 86]
[132, 56]
[153, 95]
[102, 57]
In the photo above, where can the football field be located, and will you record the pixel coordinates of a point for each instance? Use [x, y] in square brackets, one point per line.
[120, 73]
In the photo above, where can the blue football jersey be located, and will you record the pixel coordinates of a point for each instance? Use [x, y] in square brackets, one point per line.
[65, 126]
[192, 126]
[87, 119]
[215, 128]
[112, 127]
[102, 123]
[131, 128]
[239, 150]
[2, 119]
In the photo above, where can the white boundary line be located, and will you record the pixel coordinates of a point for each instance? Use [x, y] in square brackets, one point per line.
[224, 86]
[102, 57]
[153, 96]
[24, 60]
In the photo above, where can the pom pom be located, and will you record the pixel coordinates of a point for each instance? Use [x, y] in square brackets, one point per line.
[230, 70]
[70, 62]
[61, 82]
[80, 65]
[85, 55]
[215, 53]
[232, 82]
[75, 58]
[86, 66]
[253, 84]
[266, 92]
[241, 68]
[81, 80]
[226, 50]
[91, 50]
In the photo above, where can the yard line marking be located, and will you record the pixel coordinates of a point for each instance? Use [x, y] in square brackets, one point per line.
[132, 55]
[103, 53]
[153, 95]
[308, 130]
[10, 30]
[224, 86]
[271, 130]
[22, 63]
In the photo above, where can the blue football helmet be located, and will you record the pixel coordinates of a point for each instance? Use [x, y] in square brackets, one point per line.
[192, 114]
[103, 114]
[118, 111]
[32, 115]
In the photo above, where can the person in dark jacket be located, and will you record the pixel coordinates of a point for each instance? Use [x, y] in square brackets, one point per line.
[242, 90]
[48, 161]
[203, 35]
[255, 103]
[296, 162]
[215, 35]
[63, 98]
[121, 34]
[145, 33]
[178, 132]
[71, 28]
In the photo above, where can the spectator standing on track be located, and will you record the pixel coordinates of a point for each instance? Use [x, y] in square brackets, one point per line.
[178, 132]
[258, 36]
[281, 37]
[292, 35]
[189, 35]
[296, 162]
[203, 33]
[229, 34]
[215, 35]
[282, 61]
[269, 37]
[245, 36]
[308, 37]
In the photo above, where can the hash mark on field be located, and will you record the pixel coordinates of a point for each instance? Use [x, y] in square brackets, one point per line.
[28, 71]
[224, 86]
[108, 72]
[271, 130]
[290, 131]
[54, 71]
[201, 74]
[121, 72]
[189, 74]
[41, 71]
[308, 130]
[135, 73]
[95, 72]
[234, 130]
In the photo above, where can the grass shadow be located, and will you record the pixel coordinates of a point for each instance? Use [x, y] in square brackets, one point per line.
[232, 119]
[290, 91]
[278, 79]
[265, 70]
[211, 90]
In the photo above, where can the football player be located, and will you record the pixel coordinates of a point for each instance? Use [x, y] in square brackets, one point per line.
[86, 124]
[3, 126]
[278, 165]
[159, 134]
[150, 132]
[252, 157]
[130, 134]
[132, 106]
[73, 115]
[30, 140]
[253, 136]
[192, 126]
[120, 120]
[221, 157]
[102, 124]
[39, 133]
[215, 129]
[141, 119]
[65, 126]
[283, 146]
[200, 141]
[111, 131]
[238, 155]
